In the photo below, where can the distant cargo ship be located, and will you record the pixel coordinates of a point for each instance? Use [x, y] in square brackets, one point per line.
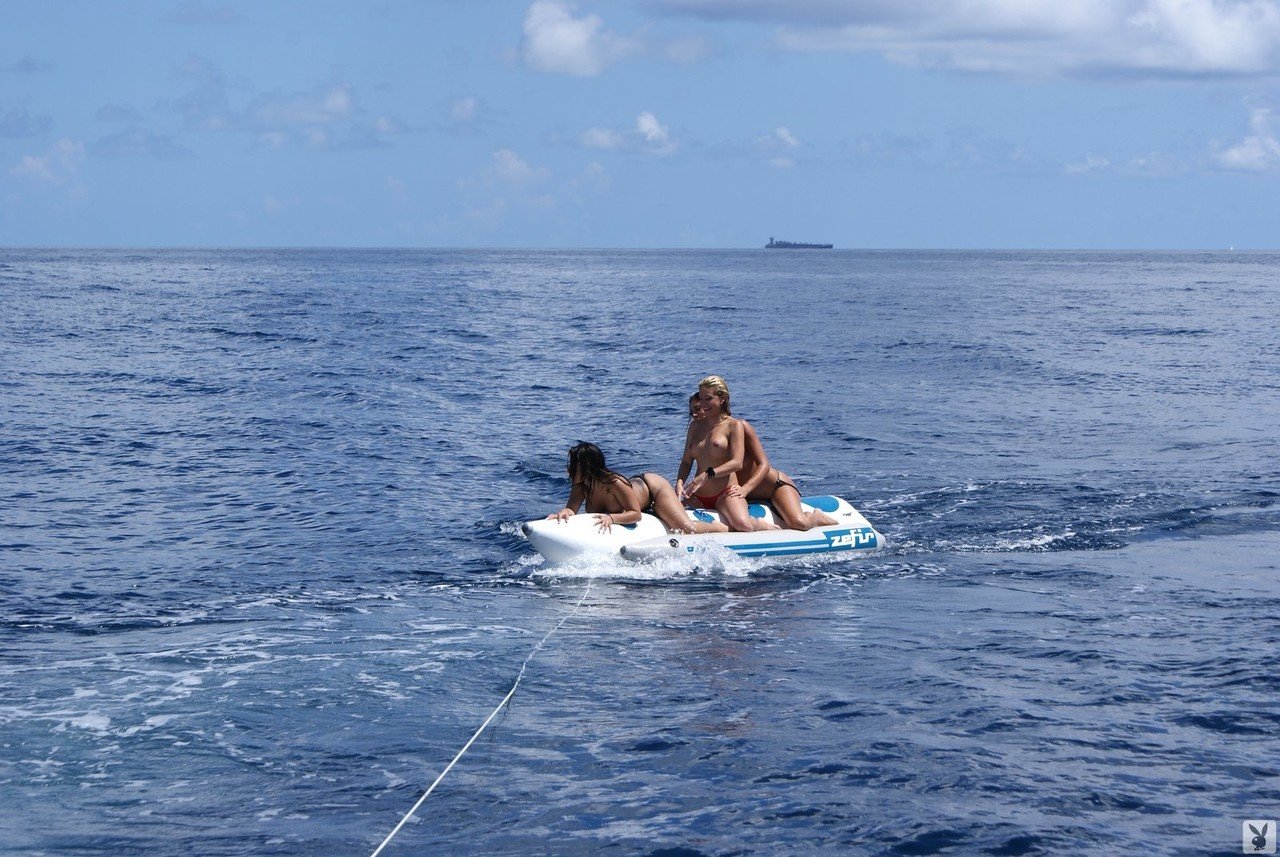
[794, 245]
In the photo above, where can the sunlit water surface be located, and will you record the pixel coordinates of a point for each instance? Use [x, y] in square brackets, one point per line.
[261, 577]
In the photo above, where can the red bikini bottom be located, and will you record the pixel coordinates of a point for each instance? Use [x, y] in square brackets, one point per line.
[710, 502]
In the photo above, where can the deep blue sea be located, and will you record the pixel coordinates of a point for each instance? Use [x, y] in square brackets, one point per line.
[261, 576]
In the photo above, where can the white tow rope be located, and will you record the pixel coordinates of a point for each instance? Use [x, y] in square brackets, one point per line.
[408, 815]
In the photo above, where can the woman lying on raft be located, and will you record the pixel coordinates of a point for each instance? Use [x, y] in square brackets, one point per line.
[618, 500]
[715, 442]
[759, 481]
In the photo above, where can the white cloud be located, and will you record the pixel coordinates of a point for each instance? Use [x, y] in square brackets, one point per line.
[646, 135]
[511, 193]
[1156, 165]
[509, 190]
[205, 106]
[687, 50]
[655, 134]
[776, 148]
[601, 138]
[59, 166]
[1154, 38]
[468, 114]
[326, 116]
[465, 110]
[507, 186]
[273, 139]
[1259, 151]
[557, 42]
[594, 178]
[786, 138]
[321, 106]
[509, 168]
[1090, 164]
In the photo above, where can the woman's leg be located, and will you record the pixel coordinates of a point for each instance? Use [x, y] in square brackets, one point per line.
[733, 511]
[786, 505]
[666, 505]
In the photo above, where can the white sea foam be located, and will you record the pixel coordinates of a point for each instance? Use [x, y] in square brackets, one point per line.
[704, 562]
[94, 721]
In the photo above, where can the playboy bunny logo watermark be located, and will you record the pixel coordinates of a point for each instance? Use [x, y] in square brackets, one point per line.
[1258, 837]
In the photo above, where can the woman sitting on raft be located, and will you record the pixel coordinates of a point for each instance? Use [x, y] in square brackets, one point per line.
[618, 500]
[715, 442]
[763, 483]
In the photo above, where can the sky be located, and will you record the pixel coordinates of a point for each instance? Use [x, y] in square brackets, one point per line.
[1109, 124]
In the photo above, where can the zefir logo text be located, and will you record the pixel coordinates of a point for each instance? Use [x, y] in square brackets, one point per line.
[863, 538]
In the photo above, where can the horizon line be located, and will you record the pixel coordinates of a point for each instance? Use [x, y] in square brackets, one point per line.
[637, 248]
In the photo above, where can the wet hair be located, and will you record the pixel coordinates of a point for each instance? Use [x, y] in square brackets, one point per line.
[692, 400]
[716, 384]
[588, 461]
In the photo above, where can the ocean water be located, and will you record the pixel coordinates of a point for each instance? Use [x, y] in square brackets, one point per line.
[261, 576]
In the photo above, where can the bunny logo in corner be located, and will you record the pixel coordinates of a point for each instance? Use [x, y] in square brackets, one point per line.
[1258, 837]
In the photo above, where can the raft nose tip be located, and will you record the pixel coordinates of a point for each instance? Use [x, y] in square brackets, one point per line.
[524, 528]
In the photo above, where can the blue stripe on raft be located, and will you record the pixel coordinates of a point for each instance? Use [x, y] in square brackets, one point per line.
[841, 549]
[863, 538]
[821, 544]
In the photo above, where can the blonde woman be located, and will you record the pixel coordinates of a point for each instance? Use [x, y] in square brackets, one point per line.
[760, 482]
[715, 443]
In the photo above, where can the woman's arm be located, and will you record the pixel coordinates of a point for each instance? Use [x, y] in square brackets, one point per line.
[576, 496]
[755, 451]
[685, 463]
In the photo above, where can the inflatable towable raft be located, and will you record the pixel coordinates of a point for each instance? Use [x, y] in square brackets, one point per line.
[561, 541]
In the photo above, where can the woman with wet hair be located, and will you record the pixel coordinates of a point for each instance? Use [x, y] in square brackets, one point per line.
[619, 500]
[758, 480]
[715, 442]
[606, 492]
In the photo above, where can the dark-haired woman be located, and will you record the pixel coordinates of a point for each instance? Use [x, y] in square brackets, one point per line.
[606, 492]
[619, 500]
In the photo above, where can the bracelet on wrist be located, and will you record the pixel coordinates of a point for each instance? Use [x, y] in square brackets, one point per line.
[710, 472]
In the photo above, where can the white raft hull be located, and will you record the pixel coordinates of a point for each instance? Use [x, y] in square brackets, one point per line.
[562, 541]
